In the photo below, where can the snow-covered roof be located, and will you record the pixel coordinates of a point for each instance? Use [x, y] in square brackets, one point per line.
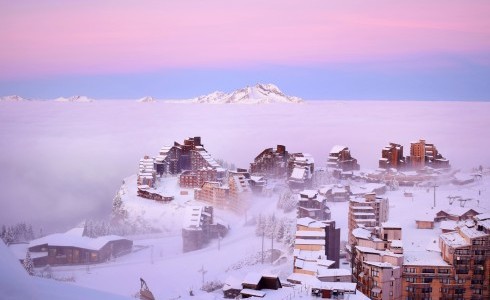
[454, 239]
[391, 225]
[448, 225]
[254, 293]
[308, 193]
[308, 254]
[361, 233]
[232, 283]
[333, 272]
[298, 173]
[472, 232]
[423, 258]
[336, 149]
[74, 238]
[379, 252]
[397, 243]
[379, 264]
[252, 278]
[483, 216]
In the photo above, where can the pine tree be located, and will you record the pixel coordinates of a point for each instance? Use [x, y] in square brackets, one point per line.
[280, 230]
[119, 213]
[28, 264]
[3, 234]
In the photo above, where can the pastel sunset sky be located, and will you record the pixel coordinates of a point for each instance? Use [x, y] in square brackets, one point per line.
[318, 49]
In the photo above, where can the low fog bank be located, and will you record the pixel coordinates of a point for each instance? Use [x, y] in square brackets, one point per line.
[63, 162]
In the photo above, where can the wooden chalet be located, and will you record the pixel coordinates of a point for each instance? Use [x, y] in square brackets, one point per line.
[71, 248]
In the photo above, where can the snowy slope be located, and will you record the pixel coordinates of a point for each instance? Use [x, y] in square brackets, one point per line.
[74, 99]
[12, 98]
[147, 99]
[15, 284]
[258, 94]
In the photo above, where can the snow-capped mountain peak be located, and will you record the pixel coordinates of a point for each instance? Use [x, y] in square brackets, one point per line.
[74, 99]
[146, 99]
[258, 94]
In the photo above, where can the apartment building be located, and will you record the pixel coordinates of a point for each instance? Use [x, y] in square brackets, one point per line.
[340, 157]
[271, 163]
[392, 157]
[424, 154]
[461, 270]
[368, 212]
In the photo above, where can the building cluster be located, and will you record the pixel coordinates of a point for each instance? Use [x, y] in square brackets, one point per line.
[200, 227]
[455, 266]
[459, 268]
[422, 155]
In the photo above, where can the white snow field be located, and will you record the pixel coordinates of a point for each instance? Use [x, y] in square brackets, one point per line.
[63, 162]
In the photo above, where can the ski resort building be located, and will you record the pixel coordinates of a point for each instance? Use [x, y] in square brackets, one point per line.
[312, 204]
[458, 269]
[367, 212]
[377, 259]
[146, 173]
[340, 158]
[315, 243]
[192, 179]
[301, 167]
[423, 154]
[233, 196]
[200, 227]
[72, 248]
[392, 157]
[271, 163]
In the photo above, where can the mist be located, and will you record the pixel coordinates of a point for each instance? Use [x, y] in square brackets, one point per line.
[63, 162]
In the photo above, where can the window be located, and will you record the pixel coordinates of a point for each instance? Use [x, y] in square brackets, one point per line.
[443, 271]
[410, 279]
[428, 270]
[374, 273]
[461, 271]
[445, 280]
[459, 291]
[427, 280]
[460, 280]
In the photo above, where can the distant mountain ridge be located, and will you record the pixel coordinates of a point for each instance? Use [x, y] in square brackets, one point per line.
[74, 99]
[147, 99]
[13, 98]
[258, 94]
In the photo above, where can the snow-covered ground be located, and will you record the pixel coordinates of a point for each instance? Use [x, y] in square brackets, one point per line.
[170, 273]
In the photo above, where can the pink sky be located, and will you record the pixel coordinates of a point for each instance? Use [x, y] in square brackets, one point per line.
[90, 37]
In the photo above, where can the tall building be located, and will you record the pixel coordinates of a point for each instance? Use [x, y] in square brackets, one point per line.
[317, 246]
[392, 157]
[367, 212]
[377, 258]
[312, 204]
[423, 154]
[300, 168]
[271, 162]
[340, 158]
